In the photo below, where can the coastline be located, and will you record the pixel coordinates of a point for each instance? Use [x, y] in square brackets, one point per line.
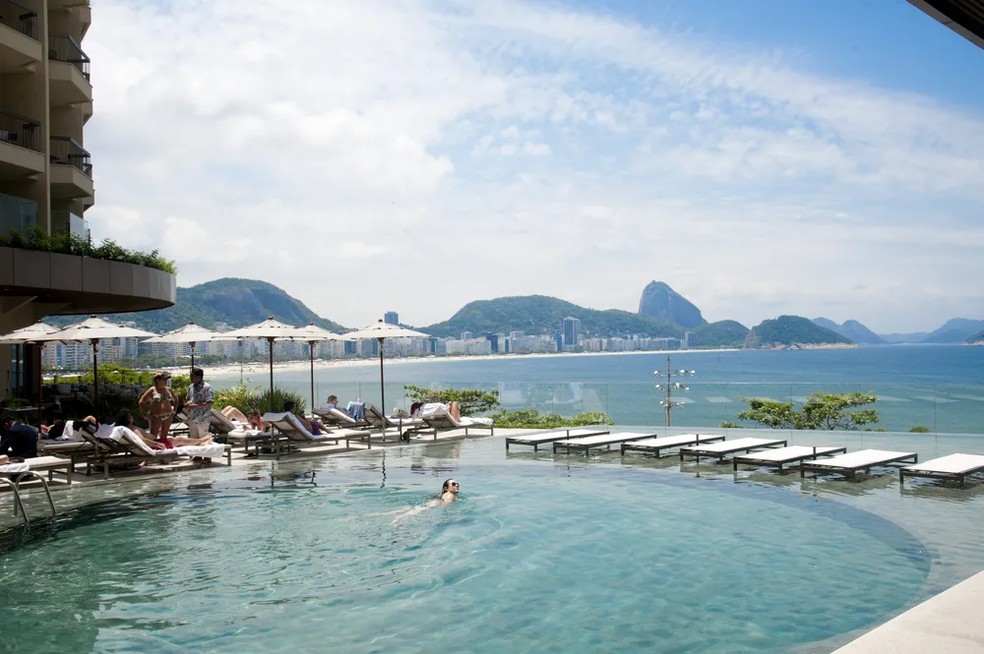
[332, 364]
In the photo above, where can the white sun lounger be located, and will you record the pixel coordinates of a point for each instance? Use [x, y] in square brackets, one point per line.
[721, 450]
[656, 445]
[849, 464]
[952, 466]
[779, 457]
[550, 436]
[588, 443]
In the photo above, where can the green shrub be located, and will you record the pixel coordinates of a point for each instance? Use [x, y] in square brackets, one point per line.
[470, 400]
[727, 424]
[242, 397]
[919, 429]
[533, 419]
[280, 396]
[66, 243]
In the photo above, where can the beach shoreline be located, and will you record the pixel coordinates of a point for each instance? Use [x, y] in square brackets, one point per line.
[253, 367]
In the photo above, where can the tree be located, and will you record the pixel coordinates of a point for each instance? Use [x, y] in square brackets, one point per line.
[820, 411]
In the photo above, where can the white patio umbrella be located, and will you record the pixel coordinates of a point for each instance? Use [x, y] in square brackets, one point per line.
[381, 331]
[191, 334]
[27, 335]
[271, 330]
[93, 329]
[313, 334]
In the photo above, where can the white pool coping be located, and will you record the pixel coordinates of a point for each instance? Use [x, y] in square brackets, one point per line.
[949, 622]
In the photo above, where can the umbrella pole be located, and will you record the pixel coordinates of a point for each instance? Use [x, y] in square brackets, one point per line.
[38, 348]
[311, 351]
[193, 355]
[382, 390]
[95, 376]
[273, 409]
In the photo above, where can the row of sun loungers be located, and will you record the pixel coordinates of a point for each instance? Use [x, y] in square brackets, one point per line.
[770, 452]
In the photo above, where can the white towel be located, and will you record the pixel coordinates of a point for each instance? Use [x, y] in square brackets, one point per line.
[14, 468]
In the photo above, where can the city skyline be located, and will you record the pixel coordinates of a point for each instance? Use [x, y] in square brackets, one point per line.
[805, 162]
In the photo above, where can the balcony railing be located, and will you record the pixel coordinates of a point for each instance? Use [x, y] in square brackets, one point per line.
[18, 17]
[20, 130]
[65, 150]
[62, 47]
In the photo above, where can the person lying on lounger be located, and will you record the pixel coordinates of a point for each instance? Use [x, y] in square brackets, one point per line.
[125, 419]
[251, 418]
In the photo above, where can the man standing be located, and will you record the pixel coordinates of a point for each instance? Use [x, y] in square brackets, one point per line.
[198, 408]
[17, 439]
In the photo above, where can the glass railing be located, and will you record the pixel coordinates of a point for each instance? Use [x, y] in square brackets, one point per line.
[16, 16]
[943, 409]
[17, 214]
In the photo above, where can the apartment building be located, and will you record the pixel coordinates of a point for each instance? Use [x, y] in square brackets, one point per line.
[46, 175]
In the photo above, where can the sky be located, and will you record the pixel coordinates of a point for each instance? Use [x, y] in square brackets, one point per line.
[760, 157]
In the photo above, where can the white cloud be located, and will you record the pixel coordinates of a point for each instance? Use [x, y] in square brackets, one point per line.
[431, 153]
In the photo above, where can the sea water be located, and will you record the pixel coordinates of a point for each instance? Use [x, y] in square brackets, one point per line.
[938, 387]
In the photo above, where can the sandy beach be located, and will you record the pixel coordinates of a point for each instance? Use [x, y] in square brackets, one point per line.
[329, 364]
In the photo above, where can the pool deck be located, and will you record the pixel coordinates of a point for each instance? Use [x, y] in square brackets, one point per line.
[948, 622]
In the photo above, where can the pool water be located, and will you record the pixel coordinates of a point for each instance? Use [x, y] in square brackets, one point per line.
[541, 554]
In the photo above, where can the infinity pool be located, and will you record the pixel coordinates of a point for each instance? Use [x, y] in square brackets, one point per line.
[542, 554]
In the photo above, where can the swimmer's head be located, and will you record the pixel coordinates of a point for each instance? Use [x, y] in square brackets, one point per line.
[450, 486]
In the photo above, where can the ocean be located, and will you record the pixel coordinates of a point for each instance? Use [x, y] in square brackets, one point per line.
[939, 387]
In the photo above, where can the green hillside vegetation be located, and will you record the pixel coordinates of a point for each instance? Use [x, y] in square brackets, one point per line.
[724, 333]
[791, 330]
[539, 314]
[238, 302]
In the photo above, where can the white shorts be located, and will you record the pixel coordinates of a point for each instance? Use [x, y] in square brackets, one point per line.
[198, 429]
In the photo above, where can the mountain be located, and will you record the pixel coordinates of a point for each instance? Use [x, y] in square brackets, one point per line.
[539, 314]
[955, 330]
[724, 333]
[851, 330]
[791, 330]
[237, 302]
[663, 303]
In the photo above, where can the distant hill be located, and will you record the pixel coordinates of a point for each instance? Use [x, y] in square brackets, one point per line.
[955, 330]
[913, 337]
[237, 302]
[539, 314]
[851, 330]
[791, 330]
[725, 333]
[663, 303]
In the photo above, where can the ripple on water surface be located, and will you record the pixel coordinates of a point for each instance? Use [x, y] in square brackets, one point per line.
[535, 558]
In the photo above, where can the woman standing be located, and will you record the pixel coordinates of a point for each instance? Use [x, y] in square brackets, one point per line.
[158, 405]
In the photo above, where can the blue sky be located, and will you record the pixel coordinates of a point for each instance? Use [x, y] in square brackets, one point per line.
[762, 158]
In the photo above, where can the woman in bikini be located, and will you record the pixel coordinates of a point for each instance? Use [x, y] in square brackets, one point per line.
[157, 405]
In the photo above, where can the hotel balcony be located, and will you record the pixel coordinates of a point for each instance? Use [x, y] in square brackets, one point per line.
[71, 170]
[19, 44]
[20, 146]
[68, 71]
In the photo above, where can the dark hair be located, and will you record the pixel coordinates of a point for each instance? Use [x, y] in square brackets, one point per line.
[446, 486]
[197, 372]
[289, 406]
[124, 418]
[4, 420]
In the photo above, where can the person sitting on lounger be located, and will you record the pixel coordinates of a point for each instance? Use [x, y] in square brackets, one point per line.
[158, 405]
[312, 426]
[330, 403]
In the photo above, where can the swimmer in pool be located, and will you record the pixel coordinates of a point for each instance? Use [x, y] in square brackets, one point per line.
[449, 493]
